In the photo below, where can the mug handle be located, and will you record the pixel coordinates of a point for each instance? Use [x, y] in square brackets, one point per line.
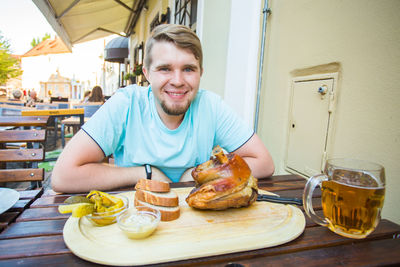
[307, 198]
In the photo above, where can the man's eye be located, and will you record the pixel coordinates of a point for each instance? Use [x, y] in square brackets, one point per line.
[188, 69]
[163, 69]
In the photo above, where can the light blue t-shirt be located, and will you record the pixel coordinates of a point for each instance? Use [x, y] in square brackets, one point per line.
[129, 127]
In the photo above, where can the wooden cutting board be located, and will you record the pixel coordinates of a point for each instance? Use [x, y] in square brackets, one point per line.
[195, 234]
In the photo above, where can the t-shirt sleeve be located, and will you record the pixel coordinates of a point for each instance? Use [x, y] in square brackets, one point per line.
[231, 131]
[107, 126]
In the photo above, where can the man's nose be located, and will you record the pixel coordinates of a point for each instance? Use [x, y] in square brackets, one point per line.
[177, 78]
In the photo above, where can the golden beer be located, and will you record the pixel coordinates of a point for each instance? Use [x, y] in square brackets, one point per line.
[352, 202]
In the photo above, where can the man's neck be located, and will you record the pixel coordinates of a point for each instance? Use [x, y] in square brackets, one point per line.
[170, 121]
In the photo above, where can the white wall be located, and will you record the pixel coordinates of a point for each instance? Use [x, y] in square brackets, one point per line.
[214, 38]
[242, 58]
[363, 38]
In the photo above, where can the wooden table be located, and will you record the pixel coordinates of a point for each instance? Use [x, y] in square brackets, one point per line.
[58, 113]
[36, 238]
[25, 200]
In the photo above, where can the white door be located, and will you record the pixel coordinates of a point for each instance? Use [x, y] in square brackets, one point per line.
[311, 104]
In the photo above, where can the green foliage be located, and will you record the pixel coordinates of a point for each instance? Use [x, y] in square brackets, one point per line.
[37, 40]
[138, 69]
[128, 76]
[8, 65]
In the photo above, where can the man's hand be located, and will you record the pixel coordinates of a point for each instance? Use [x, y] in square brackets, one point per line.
[158, 175]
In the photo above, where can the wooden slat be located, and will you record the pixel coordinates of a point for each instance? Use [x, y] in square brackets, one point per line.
[9, 216]
[34, 228]
[52, 112]
[380, 253]
[32, 246]
[52, 201]
[285, 185]
[21, 175]
[12, 102]
[36, 121]
[50, 213]
[67, 259]
[21, 205]
[20, 155]
[22, 136]
[30, 194]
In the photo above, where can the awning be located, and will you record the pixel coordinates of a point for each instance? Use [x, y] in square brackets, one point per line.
[77, 21]
[117, 50]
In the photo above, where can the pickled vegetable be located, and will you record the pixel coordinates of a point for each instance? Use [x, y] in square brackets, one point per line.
[77, 210]
[101, 207]
[77, 199]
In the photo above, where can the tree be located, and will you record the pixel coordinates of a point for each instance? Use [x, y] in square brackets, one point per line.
[8, 65]
[36, 41]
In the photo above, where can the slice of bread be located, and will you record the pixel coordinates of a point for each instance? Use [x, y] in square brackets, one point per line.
[167, 199]
[167, 213]
[152, 185]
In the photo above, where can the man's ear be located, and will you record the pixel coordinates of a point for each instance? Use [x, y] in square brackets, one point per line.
[145, 73]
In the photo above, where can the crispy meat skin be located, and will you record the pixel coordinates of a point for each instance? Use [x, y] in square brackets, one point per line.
[213, 169]
[223, 182]
[241, 198]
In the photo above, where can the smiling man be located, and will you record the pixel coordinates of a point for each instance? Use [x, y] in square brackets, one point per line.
[161, 131]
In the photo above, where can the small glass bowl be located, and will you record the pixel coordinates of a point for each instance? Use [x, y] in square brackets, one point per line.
[139, 222]
[109, 217]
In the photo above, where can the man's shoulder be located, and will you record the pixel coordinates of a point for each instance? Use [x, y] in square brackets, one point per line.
[130, 94]
[132, 90]
[207, 97]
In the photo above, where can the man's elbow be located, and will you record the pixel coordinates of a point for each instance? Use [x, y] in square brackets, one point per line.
[268, 168]
[58, 179]
[270, 171]
[56, 184]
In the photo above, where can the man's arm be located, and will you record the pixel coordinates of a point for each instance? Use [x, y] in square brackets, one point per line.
[257, 157]
[80, 169]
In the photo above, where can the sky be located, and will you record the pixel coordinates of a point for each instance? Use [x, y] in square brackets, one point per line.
[20, 22]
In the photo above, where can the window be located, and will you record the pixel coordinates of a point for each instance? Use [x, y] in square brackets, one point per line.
[157, 20]
[186, 13]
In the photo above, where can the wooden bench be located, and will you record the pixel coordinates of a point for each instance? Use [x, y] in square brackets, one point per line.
[30, 154]
[59, 113]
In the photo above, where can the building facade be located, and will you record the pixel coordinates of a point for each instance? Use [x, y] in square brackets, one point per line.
[316, 79]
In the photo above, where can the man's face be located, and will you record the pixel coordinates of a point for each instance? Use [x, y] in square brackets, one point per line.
[174, 75]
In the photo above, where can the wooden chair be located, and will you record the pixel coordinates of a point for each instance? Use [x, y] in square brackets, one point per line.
[89, 110]
[33, 134]
[61, 104]
[13, 102]
[59, 113]
[12, 110]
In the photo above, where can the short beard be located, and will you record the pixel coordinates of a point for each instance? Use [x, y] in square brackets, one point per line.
[175, 111]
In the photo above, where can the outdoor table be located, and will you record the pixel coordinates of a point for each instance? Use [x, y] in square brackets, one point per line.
[36, 238]
[26, 198]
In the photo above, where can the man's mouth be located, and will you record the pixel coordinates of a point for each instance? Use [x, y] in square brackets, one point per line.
[176, 94]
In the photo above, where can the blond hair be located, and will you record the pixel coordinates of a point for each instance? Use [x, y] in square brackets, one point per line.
[182, 36]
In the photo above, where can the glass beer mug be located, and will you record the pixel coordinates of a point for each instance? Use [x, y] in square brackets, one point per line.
[352, 195]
